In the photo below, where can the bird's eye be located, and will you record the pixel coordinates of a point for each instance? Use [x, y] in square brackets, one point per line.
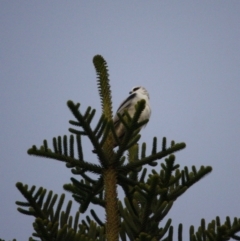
[136, 88]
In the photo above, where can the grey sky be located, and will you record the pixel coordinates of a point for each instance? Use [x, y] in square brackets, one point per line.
[187, 55]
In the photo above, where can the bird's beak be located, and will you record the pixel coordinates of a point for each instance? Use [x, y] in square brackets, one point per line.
[130, 92]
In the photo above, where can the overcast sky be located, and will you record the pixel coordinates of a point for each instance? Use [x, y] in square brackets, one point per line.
[187, 55]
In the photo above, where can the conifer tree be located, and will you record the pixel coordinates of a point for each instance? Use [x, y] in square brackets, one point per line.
[140, 215]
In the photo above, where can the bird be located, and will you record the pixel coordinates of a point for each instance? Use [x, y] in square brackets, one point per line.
[135, 95]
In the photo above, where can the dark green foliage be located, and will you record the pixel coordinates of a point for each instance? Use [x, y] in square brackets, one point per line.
[151, 201]
[51, 222]
[103, 85]
[149, 194]
[216, 231]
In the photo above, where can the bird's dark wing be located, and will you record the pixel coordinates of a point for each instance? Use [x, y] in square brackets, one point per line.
[124, 104]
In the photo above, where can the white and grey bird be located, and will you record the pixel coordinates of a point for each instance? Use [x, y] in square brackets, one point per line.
[136, 94]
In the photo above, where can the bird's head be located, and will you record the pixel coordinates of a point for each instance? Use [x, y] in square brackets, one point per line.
[139, 90]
